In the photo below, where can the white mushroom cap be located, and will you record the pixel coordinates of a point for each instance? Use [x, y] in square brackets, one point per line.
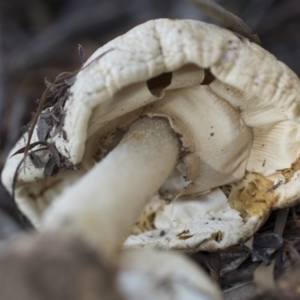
[240, 141]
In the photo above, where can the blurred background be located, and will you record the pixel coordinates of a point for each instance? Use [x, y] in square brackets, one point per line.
[39, 38]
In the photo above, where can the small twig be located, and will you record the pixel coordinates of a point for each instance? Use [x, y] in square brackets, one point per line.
[226, 18]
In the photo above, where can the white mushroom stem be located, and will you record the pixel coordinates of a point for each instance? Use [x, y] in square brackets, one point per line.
[104, 203]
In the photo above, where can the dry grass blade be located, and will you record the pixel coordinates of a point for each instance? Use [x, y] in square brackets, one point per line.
[226, 18]
[32, 145]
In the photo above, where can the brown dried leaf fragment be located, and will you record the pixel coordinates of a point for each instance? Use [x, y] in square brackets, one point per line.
[54, 153]
[44, 125]
[42, 129]
[51, 167]
[59, 127]
[35, 159]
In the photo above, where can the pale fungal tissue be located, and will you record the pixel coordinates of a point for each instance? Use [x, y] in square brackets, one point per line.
[182, 130]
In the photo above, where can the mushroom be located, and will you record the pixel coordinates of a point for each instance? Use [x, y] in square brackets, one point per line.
[152, 274]
[223, 114]
[53, 266]
[119, 181]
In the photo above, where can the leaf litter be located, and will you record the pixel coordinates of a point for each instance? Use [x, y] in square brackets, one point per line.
[49, 117]
[268, 267]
